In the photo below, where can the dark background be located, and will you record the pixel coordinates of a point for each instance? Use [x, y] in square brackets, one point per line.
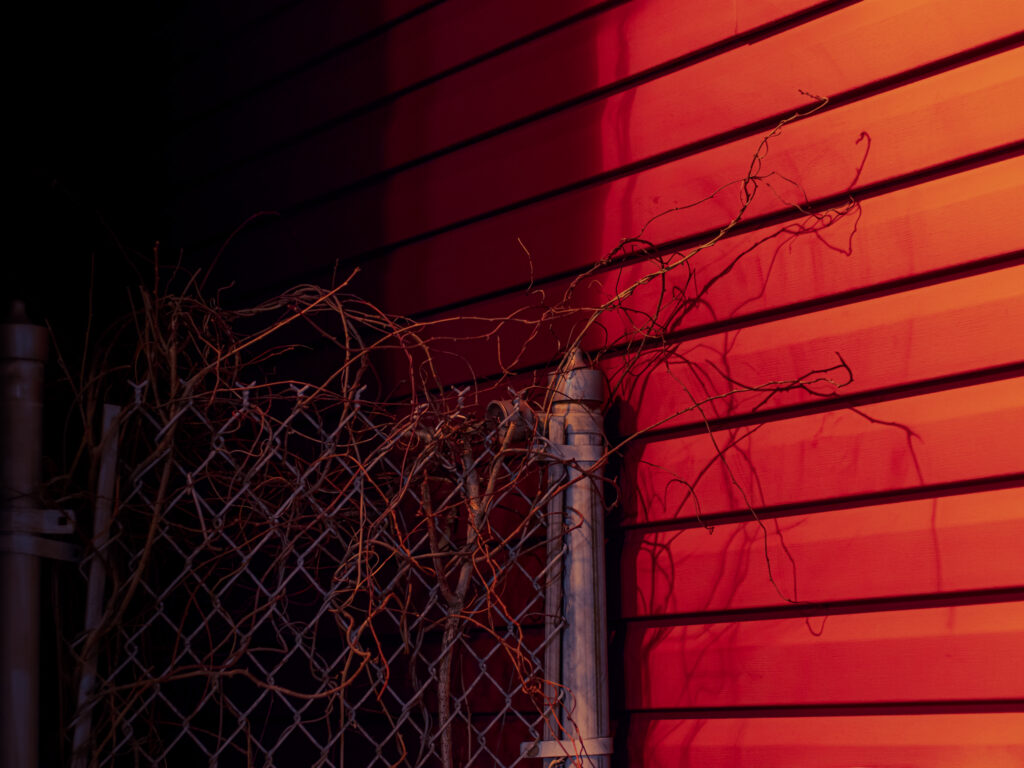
[86, 206]
[89, 182]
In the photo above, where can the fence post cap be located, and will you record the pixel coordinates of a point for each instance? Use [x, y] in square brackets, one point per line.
[575, 381]
[20, 338]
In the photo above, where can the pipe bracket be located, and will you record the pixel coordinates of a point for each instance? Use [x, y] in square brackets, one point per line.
[25, 531]
[581, 454]
[567, 748]
[39, 546]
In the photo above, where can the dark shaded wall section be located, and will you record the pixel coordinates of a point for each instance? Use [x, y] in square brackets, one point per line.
[85, 118]
[208, 134]
[89, 116]
[295, 140]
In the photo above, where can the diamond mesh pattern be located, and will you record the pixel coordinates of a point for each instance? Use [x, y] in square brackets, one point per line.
[294, 581]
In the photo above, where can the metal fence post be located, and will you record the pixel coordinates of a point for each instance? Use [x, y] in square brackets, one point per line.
[576, 435]
[22, 356]
[96, 582]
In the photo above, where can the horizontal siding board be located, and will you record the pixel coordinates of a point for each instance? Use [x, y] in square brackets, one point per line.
[933, 332]
[537, 76]
[880, 338]
[934, 121]
[827, 56]
[268, 49]
[424, 46]
[929, 546]
[911, 231]
[907, 234]
[200, 25]
[895, 342]
[932, 654]
[943, 224]
[961, 435]
[937, 741]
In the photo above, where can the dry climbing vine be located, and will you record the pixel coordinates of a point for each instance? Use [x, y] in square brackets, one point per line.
[314, 556]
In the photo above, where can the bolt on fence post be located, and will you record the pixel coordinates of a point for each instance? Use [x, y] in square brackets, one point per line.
[576, 436]
[22, 355]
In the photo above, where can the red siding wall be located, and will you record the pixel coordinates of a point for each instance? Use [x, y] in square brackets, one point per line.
[873, 612]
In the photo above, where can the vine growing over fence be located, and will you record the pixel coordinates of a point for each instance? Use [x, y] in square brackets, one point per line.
[340, 553]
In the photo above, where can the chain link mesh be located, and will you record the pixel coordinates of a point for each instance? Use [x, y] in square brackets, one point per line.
[300, 579]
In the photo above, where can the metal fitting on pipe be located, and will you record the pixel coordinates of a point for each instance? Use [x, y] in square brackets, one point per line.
[516, 414]
[22, 356]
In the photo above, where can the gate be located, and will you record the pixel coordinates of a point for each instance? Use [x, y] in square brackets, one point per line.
[296, 574]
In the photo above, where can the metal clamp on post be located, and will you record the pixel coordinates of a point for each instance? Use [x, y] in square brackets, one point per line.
[25, 531]
[577, 659]
[582, 455]
[563, 749]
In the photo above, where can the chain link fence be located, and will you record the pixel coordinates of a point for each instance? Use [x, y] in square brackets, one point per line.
[364, 571]
[300, 578]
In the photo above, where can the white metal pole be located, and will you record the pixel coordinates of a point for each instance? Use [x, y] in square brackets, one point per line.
[577, 441]
[577, 395]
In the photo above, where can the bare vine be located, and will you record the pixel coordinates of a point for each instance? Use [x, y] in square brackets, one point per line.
[333, 546]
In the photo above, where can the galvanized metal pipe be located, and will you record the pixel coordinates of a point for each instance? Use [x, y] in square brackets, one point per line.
[22, 355]
[577, 395]
[97, 581]
[553, 579]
